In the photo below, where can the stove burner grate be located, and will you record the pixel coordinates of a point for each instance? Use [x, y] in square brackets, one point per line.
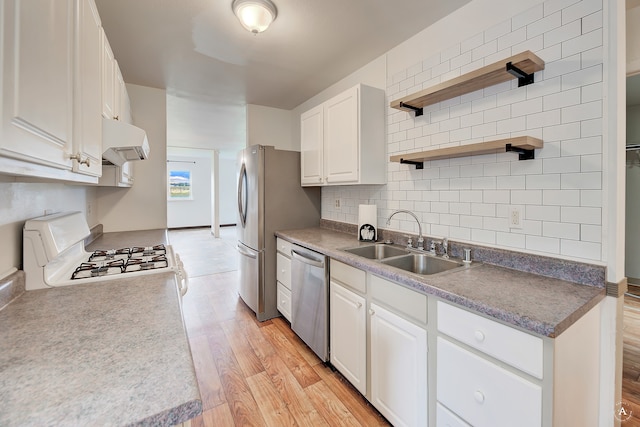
[98, 269]
[152, 263]
[110, 254]
[148, 250]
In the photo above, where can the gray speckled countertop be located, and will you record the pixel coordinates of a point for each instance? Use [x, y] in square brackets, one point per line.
[107, 353]
[543, 305]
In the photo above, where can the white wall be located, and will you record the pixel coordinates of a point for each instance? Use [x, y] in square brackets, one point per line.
[25, 200]
[227, 175]
[270, 126]
[633, 40]
[144, 205]
[467, 199]
[196, 211]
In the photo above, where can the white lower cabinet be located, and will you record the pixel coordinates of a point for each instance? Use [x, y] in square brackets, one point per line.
[446, 418]
[398, 368]
[483, 393]
[348, 325]
[283, 278]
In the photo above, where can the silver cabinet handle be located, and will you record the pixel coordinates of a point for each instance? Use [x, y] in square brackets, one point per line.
[304, 259]
[371, 312]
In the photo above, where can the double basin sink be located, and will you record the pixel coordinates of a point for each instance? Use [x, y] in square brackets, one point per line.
[405, 259]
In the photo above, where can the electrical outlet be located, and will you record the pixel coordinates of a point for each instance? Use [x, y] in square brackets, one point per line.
[337, 205]
[88, 208]
[48, 211]
[515, 217]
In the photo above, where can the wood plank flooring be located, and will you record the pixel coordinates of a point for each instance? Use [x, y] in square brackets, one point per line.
[254, 373]
[631, 359]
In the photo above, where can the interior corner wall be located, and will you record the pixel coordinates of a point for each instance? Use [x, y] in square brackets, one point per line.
[144, 205]
[270, 126]
[227, 186]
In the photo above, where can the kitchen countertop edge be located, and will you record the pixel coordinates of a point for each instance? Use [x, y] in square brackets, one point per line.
[331, 243]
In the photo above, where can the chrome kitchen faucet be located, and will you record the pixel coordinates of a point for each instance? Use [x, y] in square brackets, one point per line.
[420, 238]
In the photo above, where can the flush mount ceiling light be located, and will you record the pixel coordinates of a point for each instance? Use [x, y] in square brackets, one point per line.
[255, 15]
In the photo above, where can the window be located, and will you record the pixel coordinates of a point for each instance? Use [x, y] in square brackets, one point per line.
[180, 186]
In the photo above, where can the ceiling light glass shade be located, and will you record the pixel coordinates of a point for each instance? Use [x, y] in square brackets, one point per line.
[255, 15]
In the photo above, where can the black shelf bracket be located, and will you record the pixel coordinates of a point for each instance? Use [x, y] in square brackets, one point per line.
[416, 110]
[523, 153]
[523, 78]
[418, 165]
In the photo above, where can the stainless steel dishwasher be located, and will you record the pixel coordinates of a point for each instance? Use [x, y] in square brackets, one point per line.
[309, 299]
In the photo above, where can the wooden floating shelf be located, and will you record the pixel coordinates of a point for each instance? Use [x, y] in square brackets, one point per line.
[520, 66]
[523, 145]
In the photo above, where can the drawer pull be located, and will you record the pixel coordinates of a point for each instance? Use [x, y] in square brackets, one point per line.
[479, 336]
[478, 396]
[371, 312]
[358, 304]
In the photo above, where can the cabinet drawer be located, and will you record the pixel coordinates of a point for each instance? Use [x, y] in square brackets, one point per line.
[446, 418]
[283, 246]
[518, 349]
[405, 301]
[347, 275]
[284, 270]
[284, 301]
[482, 393]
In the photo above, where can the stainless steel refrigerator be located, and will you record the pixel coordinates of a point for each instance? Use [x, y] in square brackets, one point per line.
[270, 198]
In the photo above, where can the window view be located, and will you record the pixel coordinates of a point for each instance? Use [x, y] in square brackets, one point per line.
[180, 187]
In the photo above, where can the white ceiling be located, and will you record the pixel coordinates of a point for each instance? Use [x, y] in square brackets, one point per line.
[212, 67]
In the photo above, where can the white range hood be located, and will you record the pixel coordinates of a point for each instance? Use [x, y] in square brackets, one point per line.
[123, 142]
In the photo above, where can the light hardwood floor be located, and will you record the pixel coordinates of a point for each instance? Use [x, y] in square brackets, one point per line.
[631, 359]
[254, 373]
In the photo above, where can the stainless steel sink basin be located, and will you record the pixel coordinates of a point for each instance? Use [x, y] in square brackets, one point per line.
[377, 251]
[422, 263]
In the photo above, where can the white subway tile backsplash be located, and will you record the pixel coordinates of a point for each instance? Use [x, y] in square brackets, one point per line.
[467, 198]
[580, 10]
[510, 182]
[561, 197]
[544, 25]
[543, 182]
[543, 213]
[581, 215]
[591, 233]
[576, 113]
[561, 165]
[543, 244]
[561, 132]
[582, 181]
[591, 198]
[584, 42]
[576, 249]
[561, 230]
[472, 43]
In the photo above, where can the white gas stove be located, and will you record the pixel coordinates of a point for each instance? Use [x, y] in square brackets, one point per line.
[54, 255]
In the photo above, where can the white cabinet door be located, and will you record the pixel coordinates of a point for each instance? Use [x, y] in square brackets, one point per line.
[108, 80]
[482, 393]
[88, 101]
[348, 332]
[311, 146]
[37, 80]
[341, 148]
[398, 368]
[284, 301]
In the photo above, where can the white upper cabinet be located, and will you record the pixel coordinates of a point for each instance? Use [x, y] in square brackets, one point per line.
[50, 124]
[108, 80]
[312, 137]
[37, 95]
[88, 102]
[343, 140]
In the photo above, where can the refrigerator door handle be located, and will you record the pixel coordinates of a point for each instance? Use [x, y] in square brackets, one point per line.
[304, 259]
[242, 195]
[246, 253]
